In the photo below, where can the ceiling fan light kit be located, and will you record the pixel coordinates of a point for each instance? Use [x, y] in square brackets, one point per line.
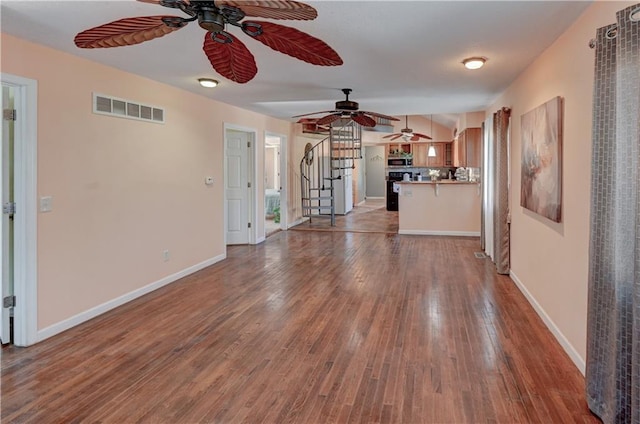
[208, 82]
[227, 54]
[474, 62]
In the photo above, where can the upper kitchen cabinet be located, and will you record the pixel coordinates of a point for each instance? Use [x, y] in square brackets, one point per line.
[421, 152]
[467, 147]
[399, 149]
[437, 161]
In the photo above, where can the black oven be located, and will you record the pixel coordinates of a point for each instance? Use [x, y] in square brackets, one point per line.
[399, 162]
[392, 196]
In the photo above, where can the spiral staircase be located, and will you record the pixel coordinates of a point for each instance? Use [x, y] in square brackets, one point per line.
[325, 165]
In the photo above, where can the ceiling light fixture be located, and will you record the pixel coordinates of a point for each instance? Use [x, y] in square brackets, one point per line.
[474, 62]
[207, 82]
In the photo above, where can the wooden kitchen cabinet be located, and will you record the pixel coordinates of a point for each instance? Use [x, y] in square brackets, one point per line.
[395, 147]
[438, 160]
[420, 154]
[467, 147]
[473, 147]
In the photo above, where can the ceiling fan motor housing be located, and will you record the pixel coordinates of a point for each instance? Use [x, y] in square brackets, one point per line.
[347, 105]
[210, 20]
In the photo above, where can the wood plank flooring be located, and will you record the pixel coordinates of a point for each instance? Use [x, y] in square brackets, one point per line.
[309, 327]
[370, 217]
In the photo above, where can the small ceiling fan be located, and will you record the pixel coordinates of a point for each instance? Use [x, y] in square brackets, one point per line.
[227, 54]
[348, 109]
[407, 133]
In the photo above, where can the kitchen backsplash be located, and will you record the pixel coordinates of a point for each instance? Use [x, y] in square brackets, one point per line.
[473, 174]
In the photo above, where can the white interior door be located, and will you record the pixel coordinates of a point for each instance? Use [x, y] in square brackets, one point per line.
[6, 229]
[237, 187]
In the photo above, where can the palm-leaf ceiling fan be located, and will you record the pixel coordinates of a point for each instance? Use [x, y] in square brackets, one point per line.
[348, 109]
[407, 133]
[227, 54]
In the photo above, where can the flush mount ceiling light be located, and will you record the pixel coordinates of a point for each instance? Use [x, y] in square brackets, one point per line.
[207, 82]
[474, 62]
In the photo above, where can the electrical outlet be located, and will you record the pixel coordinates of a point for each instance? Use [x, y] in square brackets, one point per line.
[165, 255]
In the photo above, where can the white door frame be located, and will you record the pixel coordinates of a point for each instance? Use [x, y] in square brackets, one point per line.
[25, 313]
[253, 172]
[284, 188]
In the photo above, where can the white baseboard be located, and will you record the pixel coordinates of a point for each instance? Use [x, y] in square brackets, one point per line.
[566, 345]
[68, 323]
[440, 233]
[373, 198]
[260, 240]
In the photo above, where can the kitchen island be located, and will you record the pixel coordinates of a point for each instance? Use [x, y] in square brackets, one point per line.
[446, 207]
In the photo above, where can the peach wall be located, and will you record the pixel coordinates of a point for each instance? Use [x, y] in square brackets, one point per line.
[550, 260]
[469, 120]
[123, 190]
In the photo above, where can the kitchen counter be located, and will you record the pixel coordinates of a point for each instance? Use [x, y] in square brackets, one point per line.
[439, 208]
[438, 182]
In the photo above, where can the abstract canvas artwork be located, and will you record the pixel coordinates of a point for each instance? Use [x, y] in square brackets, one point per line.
[541, 187]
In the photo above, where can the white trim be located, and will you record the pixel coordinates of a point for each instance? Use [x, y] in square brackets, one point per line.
[566, 345]
[26, 218]
[372, 198]
[440, 233]
[261, 239]
[78, 319]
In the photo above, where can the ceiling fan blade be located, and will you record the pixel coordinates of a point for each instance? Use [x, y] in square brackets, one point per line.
[327, 120]
[314, 113]
[274, 9]
[124, 32]
[415, 138]
[421, 136]
[231, 60]
[364, 120]
[297, 44]
[391, 135]
[379, 115]
[396, 137]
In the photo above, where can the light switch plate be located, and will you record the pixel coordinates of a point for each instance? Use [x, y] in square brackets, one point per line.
[46, 204]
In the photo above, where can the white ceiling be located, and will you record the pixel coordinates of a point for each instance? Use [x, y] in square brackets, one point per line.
[400, 57]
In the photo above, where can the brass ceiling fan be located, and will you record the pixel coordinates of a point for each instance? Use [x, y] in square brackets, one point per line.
[348, 109]
[408, 134]
[226, 53]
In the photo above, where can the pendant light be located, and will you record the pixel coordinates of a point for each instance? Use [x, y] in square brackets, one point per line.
[432, 150]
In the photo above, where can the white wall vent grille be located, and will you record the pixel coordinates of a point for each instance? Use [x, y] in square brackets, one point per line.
[106, 105]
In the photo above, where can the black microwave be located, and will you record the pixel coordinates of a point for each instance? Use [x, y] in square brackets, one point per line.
[399, 162]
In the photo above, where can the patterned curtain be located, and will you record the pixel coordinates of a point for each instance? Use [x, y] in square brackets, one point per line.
[501, 243]
[613, 323]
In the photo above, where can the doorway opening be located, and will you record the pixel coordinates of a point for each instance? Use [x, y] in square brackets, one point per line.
[275, 199]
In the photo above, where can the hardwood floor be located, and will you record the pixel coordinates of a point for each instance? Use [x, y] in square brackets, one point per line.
[309, 327]
[370, 217]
